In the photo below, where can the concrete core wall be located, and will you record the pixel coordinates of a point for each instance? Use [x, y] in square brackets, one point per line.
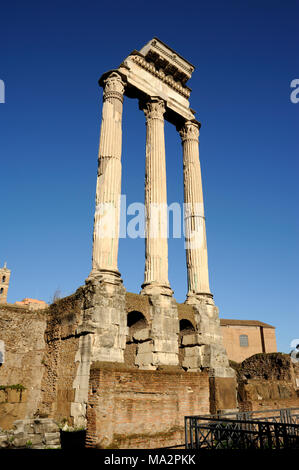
[22, 333]
[60, 360]
[267, 381]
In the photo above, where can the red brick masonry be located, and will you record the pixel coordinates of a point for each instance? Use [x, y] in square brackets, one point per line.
[142, 408]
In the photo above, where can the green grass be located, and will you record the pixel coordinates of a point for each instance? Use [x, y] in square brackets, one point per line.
[17, 387]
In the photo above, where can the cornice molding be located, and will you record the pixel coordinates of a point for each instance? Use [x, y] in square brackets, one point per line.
[167, 79]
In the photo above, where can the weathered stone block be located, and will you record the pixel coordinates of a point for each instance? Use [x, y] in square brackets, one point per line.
[34, 439]
[3, 396]
[45, 425]
[144, 359]
[193, 351]
[170, 359]
[142, 335]
[189, 340]
[165, 345]
[52, 438]
[192, 362]
[23, 426]
[146, 347]
[20, 441]
[4, 441]
[13, 396]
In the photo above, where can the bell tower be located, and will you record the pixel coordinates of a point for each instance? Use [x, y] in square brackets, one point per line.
[4, 283]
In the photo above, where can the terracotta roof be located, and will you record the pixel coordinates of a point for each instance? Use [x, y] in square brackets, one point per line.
[36, 301]
[226, 322]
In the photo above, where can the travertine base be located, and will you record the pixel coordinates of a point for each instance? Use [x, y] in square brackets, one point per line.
[165, 330]
[163, 347]
[205, 347]
[156, 247]
[103, 335]
[81, 382]
[105, 316]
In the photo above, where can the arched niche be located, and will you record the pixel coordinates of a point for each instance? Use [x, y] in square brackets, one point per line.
[138, 332]
[186, 328]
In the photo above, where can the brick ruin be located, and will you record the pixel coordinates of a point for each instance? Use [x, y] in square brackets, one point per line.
[121, 404]
[127, 366]
[267, 381]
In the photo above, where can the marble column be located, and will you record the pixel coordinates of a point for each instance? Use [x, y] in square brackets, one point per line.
[108, 192]
[195, 228]
[156, 245]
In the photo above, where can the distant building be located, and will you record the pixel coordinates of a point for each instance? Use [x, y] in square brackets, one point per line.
[4, 283]
[243, 338]
[32, 304]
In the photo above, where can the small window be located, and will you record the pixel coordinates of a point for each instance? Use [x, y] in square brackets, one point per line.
[244, 341]
[3, 279]
[1, 290]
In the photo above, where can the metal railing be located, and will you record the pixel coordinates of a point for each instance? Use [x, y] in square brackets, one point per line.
[281, 415]
[246, 431]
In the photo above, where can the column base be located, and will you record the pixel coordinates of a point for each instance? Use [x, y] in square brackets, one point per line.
[207, 349]
[194, 298]
[151, 288]
[111, 276]
[163, 349]
[105, 316]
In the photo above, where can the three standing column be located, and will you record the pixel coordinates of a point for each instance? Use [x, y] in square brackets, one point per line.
[106, 220]
[156, 245]
[108, 192]
[195, 227]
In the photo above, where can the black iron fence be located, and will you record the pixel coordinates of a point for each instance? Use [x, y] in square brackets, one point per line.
[279, 431]
[281, 415]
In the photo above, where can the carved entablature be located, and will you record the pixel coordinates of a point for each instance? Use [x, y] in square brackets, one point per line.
[166, 59]
[161, 74]
[158, 71]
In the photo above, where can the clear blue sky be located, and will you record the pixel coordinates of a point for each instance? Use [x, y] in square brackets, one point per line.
[245, 53]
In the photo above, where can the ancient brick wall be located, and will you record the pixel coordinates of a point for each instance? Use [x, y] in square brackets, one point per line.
[13, 405]
[139, 303]
[22, 332]
[60, 366]
[266, 381]
[131, 408]
[186, 312]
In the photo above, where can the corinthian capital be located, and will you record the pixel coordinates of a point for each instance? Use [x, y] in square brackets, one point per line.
[154, 109]
[190, 131]
[114, 87]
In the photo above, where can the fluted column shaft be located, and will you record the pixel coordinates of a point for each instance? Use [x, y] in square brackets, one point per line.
[107, 213]
[195, 228]
[156, 245]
